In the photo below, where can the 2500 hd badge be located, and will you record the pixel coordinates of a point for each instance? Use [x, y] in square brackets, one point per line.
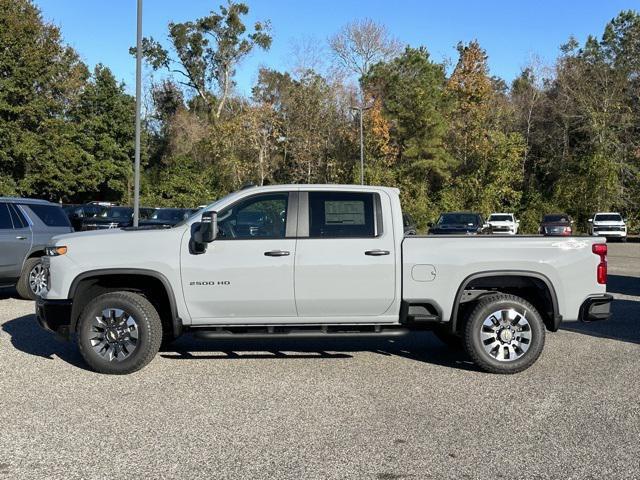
[219, 282]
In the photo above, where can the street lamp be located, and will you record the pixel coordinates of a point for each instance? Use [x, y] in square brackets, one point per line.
[360, 109]
[136, 174]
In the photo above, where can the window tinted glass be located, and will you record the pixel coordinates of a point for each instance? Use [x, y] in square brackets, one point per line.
[262, 216]
[17, 216]
[50, 215]
[555, 218]
[500, 218]
[459, 219]
[608, 217]
[338, 214]
[5, 218]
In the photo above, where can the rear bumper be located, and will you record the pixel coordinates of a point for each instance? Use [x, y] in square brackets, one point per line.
[54, 316]
[597, 307]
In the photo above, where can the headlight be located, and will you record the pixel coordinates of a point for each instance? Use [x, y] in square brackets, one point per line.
[55, 251]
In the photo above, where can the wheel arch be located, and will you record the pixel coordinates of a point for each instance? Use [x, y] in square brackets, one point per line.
[513, 281]
[151, 283]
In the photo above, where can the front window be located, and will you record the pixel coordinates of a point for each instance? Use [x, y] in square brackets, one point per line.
[171, 215]
[608, 217]
[260, 216]
[116, 212]
[501, 218]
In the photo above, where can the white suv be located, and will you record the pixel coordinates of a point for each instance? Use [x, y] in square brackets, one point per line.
[608, 224]
[503, 223]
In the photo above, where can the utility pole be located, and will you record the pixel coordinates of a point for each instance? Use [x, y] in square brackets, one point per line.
[136, 175]
[361, 109]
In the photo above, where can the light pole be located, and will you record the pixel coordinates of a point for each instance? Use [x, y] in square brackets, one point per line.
[136, 174]
[360, 109]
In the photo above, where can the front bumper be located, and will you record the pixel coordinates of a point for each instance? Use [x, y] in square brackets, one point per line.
[597, 307]
[610, 233]
[54, 316]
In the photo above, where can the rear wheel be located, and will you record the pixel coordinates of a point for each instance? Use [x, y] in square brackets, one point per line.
[504, 334]
[33, 280]
[119, 333]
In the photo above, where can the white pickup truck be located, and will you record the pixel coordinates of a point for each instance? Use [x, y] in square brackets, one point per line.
[307, 260]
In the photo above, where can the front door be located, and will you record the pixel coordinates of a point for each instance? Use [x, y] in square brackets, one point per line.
[345, 265]
[246, 273]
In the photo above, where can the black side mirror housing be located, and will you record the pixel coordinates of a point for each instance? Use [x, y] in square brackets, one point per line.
[208, 228]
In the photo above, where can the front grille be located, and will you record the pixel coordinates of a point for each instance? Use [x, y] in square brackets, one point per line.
[613, 228]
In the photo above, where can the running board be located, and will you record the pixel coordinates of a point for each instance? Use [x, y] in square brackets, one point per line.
[279, 332]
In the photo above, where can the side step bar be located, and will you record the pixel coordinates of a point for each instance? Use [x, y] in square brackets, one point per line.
[296, 332]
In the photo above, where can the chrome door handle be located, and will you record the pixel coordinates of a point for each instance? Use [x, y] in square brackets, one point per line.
[276, 253]
[377, 253]
[20, 237]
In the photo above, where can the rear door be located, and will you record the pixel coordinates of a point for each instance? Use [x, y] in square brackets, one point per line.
[345, 258]
[16, 243]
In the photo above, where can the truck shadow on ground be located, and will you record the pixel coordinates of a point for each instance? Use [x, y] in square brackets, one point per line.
[624, 324]
[417, 346]
[27, 336]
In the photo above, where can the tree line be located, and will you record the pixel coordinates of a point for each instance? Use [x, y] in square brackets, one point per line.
[563, 137]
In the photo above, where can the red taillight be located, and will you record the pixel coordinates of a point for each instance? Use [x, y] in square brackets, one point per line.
[600, 249]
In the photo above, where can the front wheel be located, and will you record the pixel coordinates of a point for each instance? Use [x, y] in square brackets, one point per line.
[504, 334]
[119, 333]
[33, 280]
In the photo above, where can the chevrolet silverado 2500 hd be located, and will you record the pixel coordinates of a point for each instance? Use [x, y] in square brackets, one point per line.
[306, 260]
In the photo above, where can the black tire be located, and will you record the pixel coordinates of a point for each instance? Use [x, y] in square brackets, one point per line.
[148, 331]
[451, 340]
[475, 347]
[24, 289]
[623, 239]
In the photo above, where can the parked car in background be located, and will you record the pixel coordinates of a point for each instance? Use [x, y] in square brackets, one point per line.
[409, 224]
[166, 217]
[26, 228]
[503, 223]
[461, 223]
[109, 217]
[608, 224]
[556, 224]
[78, 213]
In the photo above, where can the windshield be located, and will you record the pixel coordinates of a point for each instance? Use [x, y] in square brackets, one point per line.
[116, 212]
[501, 218]
[608, 217]
[458, 219]
[556, 218]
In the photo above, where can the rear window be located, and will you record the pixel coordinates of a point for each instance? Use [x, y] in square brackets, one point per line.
[555, 218]
[341, 214]
[50, 215]
[18, 217]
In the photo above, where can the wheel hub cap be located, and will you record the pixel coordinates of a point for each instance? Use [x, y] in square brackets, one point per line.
[38, 279]
[114, 334]
[506, 334]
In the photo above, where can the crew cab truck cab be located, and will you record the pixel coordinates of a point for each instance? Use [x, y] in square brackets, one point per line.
[307, 260]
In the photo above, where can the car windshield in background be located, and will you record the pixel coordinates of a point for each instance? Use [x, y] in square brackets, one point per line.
[116, 212]
[608, 217]
[50, 215]
[555, 218]
[170, 214]
[501, 218]
[458, 219]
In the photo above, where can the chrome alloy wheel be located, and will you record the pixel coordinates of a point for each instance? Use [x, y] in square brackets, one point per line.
[506, 335]
[114, 334]
[38, 279]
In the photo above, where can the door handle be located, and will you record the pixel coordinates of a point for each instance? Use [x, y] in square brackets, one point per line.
[377, 253]
[276, 253]
[21, 237]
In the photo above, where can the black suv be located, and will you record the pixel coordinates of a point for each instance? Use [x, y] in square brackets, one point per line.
[460, 223]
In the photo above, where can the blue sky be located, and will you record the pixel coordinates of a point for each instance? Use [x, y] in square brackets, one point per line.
[510, 31]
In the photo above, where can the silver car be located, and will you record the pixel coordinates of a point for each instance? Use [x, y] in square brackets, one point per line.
[26, 228]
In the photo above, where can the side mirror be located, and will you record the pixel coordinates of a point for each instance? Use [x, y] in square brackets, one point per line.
[590, 220]
[208, 227]
[430, 224]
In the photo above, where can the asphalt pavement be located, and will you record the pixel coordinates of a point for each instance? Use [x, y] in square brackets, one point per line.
[327, 409]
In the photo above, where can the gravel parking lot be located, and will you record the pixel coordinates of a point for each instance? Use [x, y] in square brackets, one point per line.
[327, 409]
